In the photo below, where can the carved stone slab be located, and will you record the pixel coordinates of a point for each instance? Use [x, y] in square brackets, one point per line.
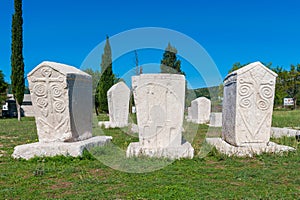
[62, 99]
[200, 110]
[248, 105]
[159, 100]
[118, 105]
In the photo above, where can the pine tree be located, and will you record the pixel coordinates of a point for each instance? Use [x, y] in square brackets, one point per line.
[106, 80]
[170, 63]
[17, 63]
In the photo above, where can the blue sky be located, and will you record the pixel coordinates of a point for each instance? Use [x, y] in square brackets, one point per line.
[230, 31]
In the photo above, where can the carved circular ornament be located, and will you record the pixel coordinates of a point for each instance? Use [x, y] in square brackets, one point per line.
[40, 90]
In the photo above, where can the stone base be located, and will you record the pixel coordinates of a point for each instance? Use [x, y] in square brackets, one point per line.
[184, 151]
[246, 151]
[73, 149]
[197, 122]
[281, 132]
[108, 124]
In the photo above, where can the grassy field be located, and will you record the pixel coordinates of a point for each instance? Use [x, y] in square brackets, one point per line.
[209, 175]
[286, 118]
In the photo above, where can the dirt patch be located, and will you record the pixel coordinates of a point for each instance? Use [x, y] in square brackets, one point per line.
[8, 137]
[216, 164]
[2, 153]
[99, 172]
[61, 184]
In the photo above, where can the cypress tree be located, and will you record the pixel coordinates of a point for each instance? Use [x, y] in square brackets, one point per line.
[17, 63]
[3, 88]
[106, 80]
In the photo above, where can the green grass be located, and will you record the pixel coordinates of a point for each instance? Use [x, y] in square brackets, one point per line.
[207, 176]
[286, 118]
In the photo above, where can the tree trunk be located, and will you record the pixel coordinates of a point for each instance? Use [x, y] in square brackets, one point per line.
[96, 111]
[18, 110]
[295, 103]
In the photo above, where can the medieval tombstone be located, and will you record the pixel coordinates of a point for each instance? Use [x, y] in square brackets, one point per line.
[118, 105]
[215, 119]
[247, 112]
[62, 100]
[200, 110]
[159, 101]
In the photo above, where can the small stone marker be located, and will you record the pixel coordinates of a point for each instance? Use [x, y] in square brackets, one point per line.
[215, 119]
[118, 105]
[159, 100]
[62, 100]
[247, 112]
[200, 110]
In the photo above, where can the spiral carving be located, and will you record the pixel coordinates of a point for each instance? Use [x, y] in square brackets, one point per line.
[245, 103]
[56, 90]
[46, 71]
[41, 102]
[263, 104]
[40, 90]
[266, 92]
[59, 106]
[245, 92]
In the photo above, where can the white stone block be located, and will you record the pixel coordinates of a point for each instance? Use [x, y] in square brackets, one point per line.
[247, 151]
[118, 105]
[159, 100]
[50, 149]
[62, 99]
[200, 110]
[284, 132]
[215, 119]
[248, 105]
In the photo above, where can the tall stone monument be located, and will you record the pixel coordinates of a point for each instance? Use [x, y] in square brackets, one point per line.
[62, 99]
[200, 110]
[247, 110]
[159, 100]
[118, 105]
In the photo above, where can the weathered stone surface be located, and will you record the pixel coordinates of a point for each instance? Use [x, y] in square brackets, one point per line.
[62, 99]
[215, 119]
[200, 110]
[281, 132]
[248, 105]
[118, 105]
[189, 116]
[51, 149]
[247, 151]
[183, 151]
[159, 100]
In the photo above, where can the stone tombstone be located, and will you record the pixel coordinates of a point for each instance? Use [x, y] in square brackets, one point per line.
[118, 105]
[215, 119]
[200, 110]
[62, 99]
[248, 105]
[159, 100]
